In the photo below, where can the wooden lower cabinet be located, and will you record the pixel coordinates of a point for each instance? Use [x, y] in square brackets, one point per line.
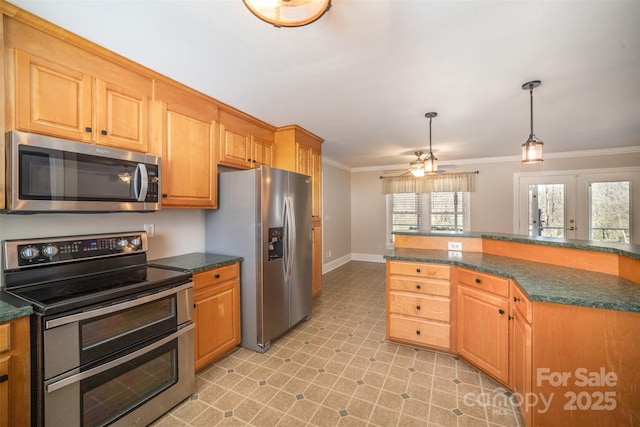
[15, 396]
[216, 297]
[419, 304]
[520, 362]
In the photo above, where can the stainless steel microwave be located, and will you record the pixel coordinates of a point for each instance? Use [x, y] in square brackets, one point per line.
[46, 174]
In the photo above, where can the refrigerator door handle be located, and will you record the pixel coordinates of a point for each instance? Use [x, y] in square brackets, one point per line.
[290, 237]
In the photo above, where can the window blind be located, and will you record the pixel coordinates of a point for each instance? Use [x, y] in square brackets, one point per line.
[449, 211]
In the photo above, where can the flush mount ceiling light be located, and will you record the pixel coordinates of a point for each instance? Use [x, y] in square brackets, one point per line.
[532, 149]
[288, 13]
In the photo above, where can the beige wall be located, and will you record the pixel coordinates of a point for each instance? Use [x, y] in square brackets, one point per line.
[492, 204]
[336, 212]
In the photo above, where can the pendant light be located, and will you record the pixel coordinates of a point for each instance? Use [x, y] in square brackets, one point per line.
[430, 162]
[417, 166]
[532, 149]
[288, 13]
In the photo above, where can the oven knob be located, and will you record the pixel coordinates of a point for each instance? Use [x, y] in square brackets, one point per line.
[123, 243]
[136, 241]
[30, 252]
[50, 250]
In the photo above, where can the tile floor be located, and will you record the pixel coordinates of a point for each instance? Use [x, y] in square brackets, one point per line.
[336, 369]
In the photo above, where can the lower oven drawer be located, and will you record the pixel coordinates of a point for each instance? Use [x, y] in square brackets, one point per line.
[132, 387]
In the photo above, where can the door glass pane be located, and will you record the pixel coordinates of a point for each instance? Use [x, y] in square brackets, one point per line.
[546, 210]
[609, 211]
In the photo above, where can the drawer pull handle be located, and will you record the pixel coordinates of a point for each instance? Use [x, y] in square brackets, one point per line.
[4, 378]
[501, 311]
[417, 270]
[87, 129]
[217, 276]
[418, 332]
[104, 132]
[478, 280]
[417, 286]
[516, 299]
[417, 307]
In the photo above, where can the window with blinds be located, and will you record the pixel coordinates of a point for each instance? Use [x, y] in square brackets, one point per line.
[435, 212]
[449, 211]
[404, 212]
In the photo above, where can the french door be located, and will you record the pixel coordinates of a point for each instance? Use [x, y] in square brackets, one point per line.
[602, 205]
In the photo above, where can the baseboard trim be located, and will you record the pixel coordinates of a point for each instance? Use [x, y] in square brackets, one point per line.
[350, 257]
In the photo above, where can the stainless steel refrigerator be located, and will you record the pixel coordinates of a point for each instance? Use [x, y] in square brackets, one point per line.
[264, 216]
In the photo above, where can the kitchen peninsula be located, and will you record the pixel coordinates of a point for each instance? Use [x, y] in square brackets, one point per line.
[553, 320]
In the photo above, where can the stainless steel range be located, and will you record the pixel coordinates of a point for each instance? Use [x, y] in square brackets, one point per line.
[112, 338]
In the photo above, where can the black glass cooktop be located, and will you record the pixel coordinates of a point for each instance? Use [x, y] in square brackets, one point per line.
[77, 293]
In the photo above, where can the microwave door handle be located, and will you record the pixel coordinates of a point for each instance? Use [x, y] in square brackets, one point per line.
[141, 182]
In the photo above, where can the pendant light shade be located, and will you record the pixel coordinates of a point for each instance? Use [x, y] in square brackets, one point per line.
[430, 162]
[532, 149]
[288, 13]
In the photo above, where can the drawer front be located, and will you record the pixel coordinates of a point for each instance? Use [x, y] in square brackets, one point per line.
[5, 337]
[433, 308]
[215, 276]
[487, 282]
[521, 303]
[422, 332]
[434, 271]
[422, 286]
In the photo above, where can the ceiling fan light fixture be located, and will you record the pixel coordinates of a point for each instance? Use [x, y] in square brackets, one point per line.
[417, 166]
[532, 149]
[288, 13]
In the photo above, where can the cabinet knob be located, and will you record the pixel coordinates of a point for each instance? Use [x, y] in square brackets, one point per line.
[417, 270]
[4, 378]
[511, 317]
[418, 332]
[417, 286]
[417, 307]
[87, 129]
[501, 311]
[516, 299]
[478, 280]
[194, 305]
[217, 276]
[165, 195]
[104, 132]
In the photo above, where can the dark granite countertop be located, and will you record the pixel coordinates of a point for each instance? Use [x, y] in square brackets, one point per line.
[13, 308]
[542, 282]
[631, 251]
[195, 262]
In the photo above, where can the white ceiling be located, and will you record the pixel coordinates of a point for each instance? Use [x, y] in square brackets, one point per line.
[364, 75]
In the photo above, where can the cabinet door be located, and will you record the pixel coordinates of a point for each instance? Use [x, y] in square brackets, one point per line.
[5, 416]
[316, 182]
[520, 362]
[189, 172]
[235, 148]
[482, 330]
[303, 159]
[316, 259]
[262, 152]
[217, 319]
[122, 118]
[52, 99]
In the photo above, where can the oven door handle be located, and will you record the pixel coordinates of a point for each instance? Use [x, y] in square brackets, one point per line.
[116, 307]
[114, 363]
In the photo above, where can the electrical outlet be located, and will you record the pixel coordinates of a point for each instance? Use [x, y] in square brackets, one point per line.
[150, 229]
[455, 255]
[455, 246]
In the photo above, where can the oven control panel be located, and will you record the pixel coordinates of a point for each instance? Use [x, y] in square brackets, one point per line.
[25, 253]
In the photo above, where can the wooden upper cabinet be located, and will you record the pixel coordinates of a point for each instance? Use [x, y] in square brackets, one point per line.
[184, 133]
[52, 99]
[122, 117]
[244, 144]
[61, 101]
[300, 151]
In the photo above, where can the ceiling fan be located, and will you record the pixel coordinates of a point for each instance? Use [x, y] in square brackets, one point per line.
[429, 165]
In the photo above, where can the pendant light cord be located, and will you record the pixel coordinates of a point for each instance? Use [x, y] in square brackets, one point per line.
[531, 96]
